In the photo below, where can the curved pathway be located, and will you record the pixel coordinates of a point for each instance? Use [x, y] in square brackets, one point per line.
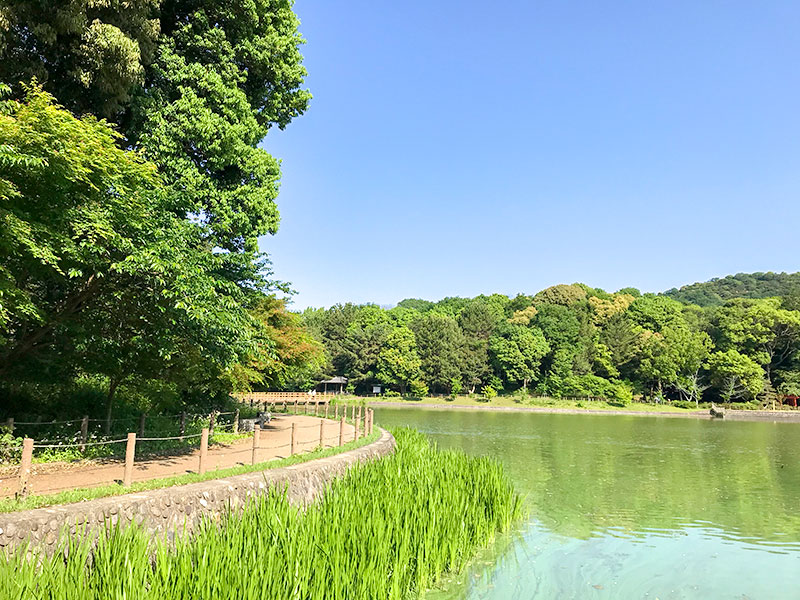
[274, 442]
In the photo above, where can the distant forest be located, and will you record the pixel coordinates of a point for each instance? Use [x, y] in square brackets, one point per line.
[735, 339]
[741, 285]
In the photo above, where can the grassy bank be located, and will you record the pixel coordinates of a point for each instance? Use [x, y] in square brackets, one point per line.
[388, 529]
[517, 402]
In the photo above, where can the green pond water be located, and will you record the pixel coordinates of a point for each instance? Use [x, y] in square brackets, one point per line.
[632, 507]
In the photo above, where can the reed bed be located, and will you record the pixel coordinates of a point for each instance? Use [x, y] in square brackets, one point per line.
[387, 529]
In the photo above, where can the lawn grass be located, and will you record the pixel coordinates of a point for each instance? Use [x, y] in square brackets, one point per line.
[79, 495]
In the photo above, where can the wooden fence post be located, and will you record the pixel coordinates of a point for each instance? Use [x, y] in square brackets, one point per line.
[203, 450]
[341, 432]
[212, 418]
[256, 438]
[183, 424]
[236, 421]
[354, 412]
[336, 412]
[326, 410]
[295, 407]
[130, 451]
[294, 437]
[10, 424]
[84, 432]
[316, 408]
[25, 467]
[355, 423]
[321, 430]
[141, 424]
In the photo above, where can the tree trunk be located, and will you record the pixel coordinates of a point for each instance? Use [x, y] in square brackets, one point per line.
[112, 387]
[29, 342]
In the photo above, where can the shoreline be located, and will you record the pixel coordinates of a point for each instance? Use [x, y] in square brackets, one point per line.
[730, 415]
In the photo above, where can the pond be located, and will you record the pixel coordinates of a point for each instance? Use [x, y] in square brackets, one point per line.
[632, 507]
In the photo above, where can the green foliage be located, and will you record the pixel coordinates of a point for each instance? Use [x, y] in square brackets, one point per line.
[286, 354]
[760, 329]
[90, 54]
[418, 388]
[517, 351]
[142, 264]
[736, 375]
[398, 362]
[742, 285]
[195, 84]
[98, 273]
[433, 510]
[561, 294]
[439, 345]
[581, 342]
[789, 382]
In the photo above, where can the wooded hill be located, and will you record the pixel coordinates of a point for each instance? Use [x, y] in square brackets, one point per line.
[741, 285]
[574, 340]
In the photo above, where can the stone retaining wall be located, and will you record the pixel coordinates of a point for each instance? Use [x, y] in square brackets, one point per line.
[167, 510]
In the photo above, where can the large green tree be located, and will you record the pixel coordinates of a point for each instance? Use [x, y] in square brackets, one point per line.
[223, 75]
[440, 345]
[196, 84]
[398, 362]
[478, 321]
[760, 329]
[517, 351]
[98, 270]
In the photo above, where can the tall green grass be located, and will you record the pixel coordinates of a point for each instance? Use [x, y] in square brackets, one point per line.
[388, 529]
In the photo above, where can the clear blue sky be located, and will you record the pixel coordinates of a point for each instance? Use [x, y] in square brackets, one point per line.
[454, 148]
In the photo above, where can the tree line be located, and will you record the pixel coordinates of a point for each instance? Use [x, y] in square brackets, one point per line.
[568, 340]
[132, 193]
[742, 285]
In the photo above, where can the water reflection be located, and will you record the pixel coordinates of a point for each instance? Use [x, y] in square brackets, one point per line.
[634, 507]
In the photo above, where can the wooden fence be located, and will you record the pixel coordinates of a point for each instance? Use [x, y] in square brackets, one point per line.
[283, 399]
[361, 417]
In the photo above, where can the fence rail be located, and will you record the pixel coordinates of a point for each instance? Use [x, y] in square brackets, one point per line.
[277, 397]
[362, 420]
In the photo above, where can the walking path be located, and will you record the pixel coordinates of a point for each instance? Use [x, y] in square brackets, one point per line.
[274, 442]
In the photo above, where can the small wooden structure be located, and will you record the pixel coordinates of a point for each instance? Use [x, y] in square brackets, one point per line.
[333, 382]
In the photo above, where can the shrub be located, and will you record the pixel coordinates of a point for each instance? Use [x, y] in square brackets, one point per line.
[418, 388]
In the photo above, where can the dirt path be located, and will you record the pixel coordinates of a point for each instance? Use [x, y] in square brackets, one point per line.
[274, 442]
